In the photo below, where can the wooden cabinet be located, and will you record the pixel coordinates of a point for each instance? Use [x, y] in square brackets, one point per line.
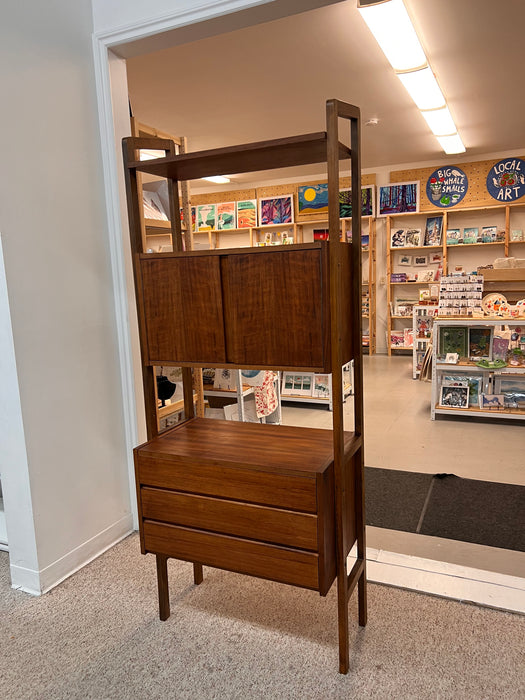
[273, 501]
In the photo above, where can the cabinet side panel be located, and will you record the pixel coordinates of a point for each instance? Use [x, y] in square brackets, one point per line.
[274, 309]
[182, 302]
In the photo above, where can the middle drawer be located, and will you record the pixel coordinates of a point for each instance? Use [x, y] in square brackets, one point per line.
[255, 522]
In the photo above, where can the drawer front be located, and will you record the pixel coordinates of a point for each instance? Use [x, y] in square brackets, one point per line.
[282, 564]
[266, 488]
[231, 517]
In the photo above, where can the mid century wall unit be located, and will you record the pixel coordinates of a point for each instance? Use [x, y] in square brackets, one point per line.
[277, 502]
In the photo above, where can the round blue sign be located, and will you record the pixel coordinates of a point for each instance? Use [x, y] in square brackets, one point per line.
[447, 186]
[506, 180]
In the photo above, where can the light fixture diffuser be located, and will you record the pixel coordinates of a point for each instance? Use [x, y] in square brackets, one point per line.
[423, 88]
[451, 144]
[391, 26]
[440, 121]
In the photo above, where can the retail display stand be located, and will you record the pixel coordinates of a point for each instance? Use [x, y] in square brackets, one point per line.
[277, 502]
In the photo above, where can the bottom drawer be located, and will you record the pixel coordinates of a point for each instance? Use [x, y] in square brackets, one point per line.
[286, 565]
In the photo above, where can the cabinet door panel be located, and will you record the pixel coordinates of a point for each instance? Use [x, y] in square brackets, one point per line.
[274, 308]
[182, 308]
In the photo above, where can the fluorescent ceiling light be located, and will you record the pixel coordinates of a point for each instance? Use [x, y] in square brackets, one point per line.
[219, 179]
[391, 26]
[440, 121]
[422, 87]
[451, 144]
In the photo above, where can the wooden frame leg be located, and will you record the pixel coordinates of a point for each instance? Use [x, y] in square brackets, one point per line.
[342, 621]
[162, 582]
[197, 573]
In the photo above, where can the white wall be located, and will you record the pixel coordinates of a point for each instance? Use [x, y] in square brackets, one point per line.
[60, 291]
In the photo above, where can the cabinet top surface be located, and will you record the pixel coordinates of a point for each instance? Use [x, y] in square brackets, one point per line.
[250, 157]
[265, 446]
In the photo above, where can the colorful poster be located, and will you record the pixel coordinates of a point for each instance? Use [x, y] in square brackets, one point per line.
[276, 210]
[225, 215]
[247, 213]
[312, 199]
[446, 187]
[506, 180]
[206, 217]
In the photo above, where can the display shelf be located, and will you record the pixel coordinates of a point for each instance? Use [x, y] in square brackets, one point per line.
[202, 486]
[470, 369]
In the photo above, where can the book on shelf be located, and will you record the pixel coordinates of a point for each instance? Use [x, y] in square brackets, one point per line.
[471, 234]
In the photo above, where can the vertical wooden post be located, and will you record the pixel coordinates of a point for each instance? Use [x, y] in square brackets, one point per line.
[162, 583]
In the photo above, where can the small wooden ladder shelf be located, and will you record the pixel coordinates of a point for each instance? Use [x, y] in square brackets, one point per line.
[277, 502]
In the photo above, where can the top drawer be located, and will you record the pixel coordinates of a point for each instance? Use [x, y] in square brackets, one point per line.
[293, 492]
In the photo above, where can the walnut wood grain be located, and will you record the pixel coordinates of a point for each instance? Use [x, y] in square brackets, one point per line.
[283, 564]
[271, 525]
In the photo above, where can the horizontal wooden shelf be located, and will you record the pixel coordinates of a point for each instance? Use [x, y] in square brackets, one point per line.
[515, 413]
[416, 247]
[251, 157]
[479, 243]
[157, 223]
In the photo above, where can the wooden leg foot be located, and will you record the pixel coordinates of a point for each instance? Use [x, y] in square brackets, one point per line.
[162, 582]
[197, 574]
[342, 618]
[362, 601]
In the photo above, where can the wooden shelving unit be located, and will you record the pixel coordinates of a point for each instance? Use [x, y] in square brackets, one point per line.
[277, 502]
[501, 215]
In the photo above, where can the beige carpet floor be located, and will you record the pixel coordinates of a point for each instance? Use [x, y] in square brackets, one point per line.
[97, 635]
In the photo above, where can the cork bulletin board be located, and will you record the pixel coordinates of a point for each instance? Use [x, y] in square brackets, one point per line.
[476, 196]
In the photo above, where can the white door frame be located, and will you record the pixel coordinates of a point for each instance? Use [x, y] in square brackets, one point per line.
[409, 572]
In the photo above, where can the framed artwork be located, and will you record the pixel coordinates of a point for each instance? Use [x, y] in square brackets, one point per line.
[246, 213]
[206, 217]
[470, 234]
[297, 384]
[322, 386]
[489, 234]
[404, 260]
[474, 382]
[367, 202]
[225, 379]
[413, 237]
[454, 396]
[480, 343]
[398, 238]
[453, 339]
[225, 216]
[276, 210]
[398, 198]
[426, 276]
[516, 235]
[435, 259]
[488, 402]
[433, 230]
[454, 236]
[421, 260]
[312, 199]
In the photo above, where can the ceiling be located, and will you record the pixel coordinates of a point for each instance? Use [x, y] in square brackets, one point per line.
[272, 80]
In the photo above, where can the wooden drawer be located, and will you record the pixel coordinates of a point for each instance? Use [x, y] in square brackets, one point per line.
[252, 485]
[286, 565]
[246, 520]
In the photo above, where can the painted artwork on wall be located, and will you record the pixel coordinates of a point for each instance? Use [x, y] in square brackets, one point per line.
[398, 198]
[206, 217]
[367, 202]
[446, 187]
[276, 210]
[506, 180]
[312, 199]
[247, 213]
[225, 216]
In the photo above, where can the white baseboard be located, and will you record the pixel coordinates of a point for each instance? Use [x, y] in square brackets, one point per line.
[462, 583]
[39, 582]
